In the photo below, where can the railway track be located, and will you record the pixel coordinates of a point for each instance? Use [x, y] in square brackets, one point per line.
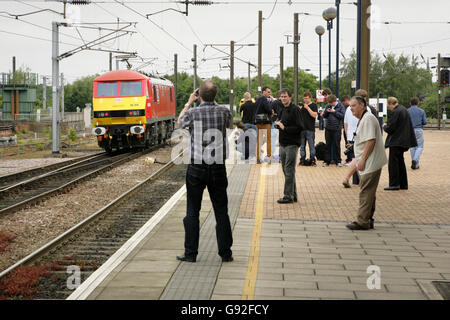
[38, 188]
[90, 243]
[14, 178]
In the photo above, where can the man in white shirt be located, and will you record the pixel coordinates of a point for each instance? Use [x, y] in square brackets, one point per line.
[370, 158]
[350, 125]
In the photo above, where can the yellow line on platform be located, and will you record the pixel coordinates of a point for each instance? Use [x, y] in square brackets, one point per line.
[248, 292]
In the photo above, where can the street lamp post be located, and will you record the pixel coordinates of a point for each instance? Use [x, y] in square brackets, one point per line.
[338, 2]
[320, 31]
[329, 14]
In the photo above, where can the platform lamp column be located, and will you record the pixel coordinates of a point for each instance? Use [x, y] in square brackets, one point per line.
[329, 14]
[320, 31]
[338, 2]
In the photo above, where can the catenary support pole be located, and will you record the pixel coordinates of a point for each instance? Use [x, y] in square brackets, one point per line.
[55, 84]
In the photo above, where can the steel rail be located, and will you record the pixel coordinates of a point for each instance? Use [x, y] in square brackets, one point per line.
[64, 237]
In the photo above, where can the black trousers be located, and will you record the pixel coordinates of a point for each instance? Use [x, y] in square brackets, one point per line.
[213, 177]
[397, 168]
[333, 137]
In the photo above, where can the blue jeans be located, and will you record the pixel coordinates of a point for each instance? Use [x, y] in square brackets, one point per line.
[309, 136]
[417, 151]
[274, 134]
[214, 177]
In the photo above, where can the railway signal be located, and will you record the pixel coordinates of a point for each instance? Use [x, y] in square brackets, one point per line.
[445, 77]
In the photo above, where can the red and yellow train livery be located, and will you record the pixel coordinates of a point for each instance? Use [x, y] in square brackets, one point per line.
[132, 110]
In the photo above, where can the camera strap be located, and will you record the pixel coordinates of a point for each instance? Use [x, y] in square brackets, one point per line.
[365, 110]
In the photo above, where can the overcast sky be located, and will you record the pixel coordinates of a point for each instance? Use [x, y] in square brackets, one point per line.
[418, 27]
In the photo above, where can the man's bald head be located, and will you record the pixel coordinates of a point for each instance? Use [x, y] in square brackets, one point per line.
[208, 91]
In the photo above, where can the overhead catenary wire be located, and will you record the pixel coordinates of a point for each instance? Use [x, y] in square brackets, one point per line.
[155, 24]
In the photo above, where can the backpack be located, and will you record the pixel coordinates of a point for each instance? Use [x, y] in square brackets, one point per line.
[321, 149]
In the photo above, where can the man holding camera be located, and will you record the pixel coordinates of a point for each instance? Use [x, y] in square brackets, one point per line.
[370, 159]
[308, 112]
[206, 170]
[290, 126]
[334, 113]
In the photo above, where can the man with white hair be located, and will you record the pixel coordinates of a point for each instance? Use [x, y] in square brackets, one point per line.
[370, 159]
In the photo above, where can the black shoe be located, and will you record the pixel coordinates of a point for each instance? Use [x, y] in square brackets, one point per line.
[371, 223]
[285, 200]
[227, 259]
[392, 188]
[355, 226]
[313, 163]
[403, 188]
[183, 257]
[295, 200]
[301, 163]
[414, 164]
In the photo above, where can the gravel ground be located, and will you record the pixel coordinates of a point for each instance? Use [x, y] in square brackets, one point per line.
[8, 166]
[36, 226]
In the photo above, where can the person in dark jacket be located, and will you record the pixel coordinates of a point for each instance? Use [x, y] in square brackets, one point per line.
[248, 111]
[400, 138]
[334, 113]
[290, 126]
[262, 106]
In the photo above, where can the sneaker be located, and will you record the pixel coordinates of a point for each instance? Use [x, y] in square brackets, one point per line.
[339, 164]
[313, 163]
[325, 164]
[347, 164]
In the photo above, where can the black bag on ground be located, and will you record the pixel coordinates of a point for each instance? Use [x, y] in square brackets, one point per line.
[321, 150]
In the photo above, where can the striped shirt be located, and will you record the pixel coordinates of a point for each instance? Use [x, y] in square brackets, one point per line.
[207, 127]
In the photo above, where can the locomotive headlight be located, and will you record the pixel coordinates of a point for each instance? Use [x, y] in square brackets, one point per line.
[137, 129]
[99, 131]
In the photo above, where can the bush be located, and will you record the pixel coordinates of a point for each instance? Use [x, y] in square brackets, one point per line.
[40, 147]
[72, 135]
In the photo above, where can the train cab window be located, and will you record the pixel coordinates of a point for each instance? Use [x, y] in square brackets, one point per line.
[147, 91]
[107, 89]
[131, 88]
[164, 91]
[171, 98]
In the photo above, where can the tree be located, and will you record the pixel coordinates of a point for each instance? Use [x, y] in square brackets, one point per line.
[78, 93]
[395, 76]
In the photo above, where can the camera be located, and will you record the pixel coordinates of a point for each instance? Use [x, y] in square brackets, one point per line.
[196, 92]
[278, 127]
[349, 150]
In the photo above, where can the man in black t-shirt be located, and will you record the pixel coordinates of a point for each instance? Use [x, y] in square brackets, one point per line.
[308, 113]
[248, 111]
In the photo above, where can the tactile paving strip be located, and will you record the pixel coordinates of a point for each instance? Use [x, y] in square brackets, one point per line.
[195, 281]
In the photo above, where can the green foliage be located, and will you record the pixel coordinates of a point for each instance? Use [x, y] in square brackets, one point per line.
[78, 93]
[40, 147]
[72, 135]
[395, 76]
[306, 81]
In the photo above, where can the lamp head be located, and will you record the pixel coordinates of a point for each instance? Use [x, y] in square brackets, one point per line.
[320, 30]
[329, 14]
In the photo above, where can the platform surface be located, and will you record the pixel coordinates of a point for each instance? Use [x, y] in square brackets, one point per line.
[301, 250]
